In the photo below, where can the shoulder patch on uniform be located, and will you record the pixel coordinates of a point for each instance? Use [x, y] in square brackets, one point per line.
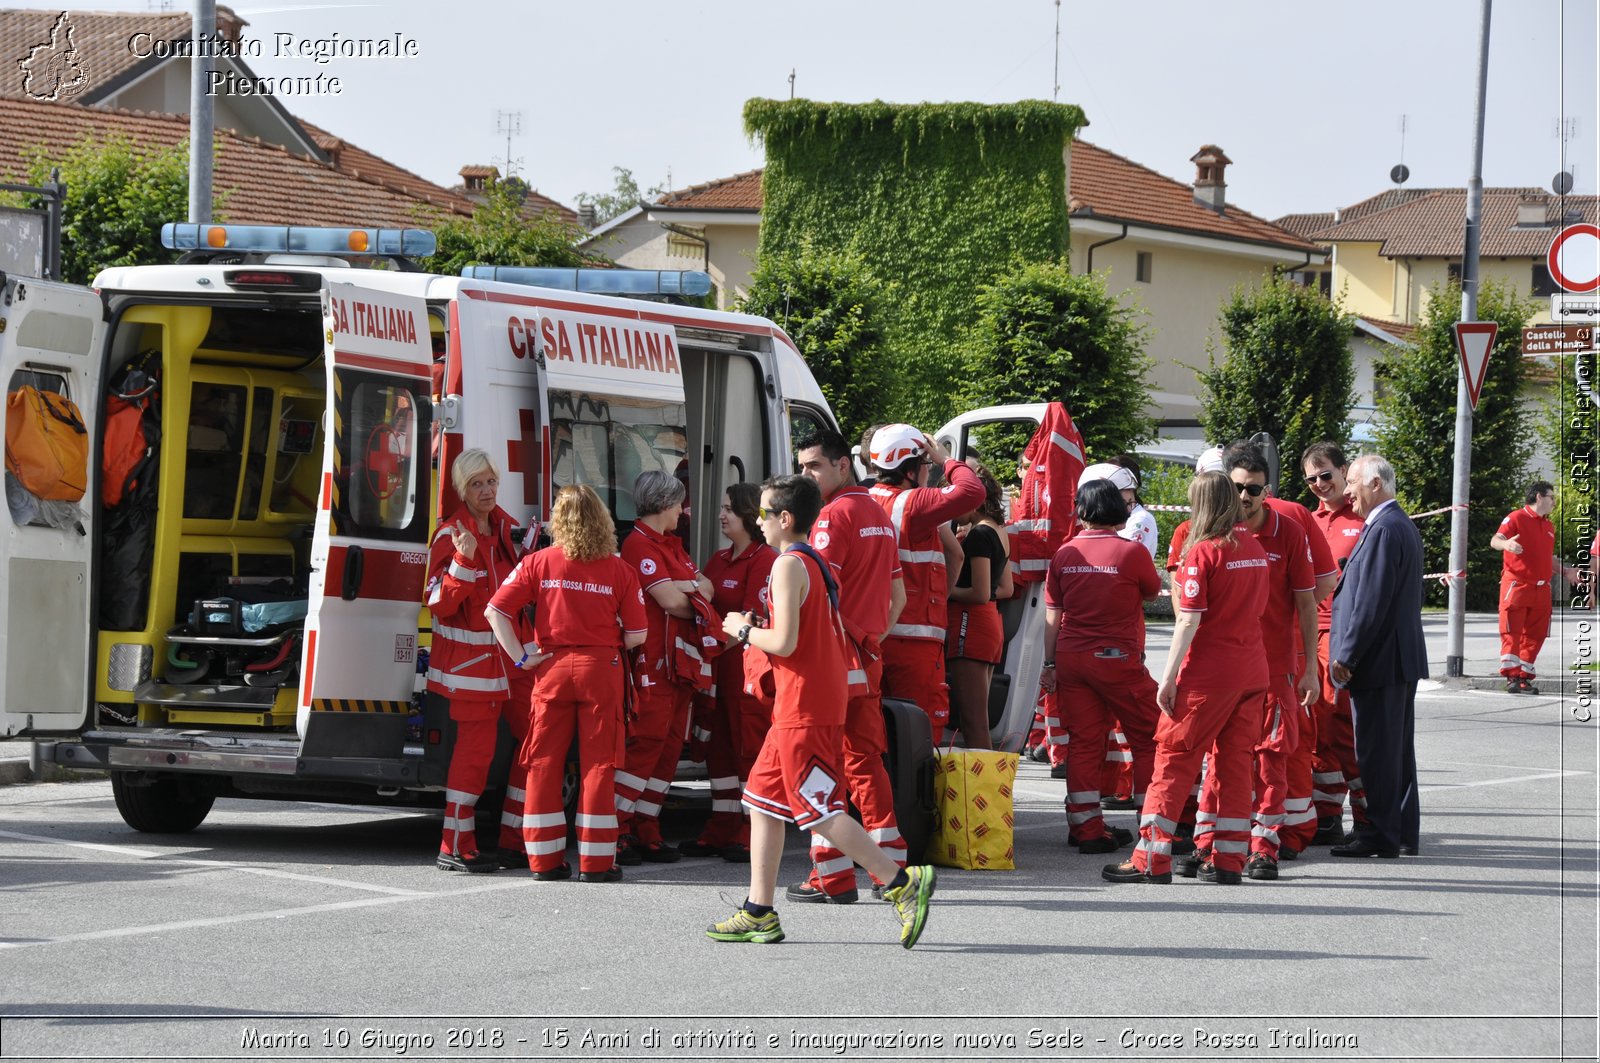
[647, 566]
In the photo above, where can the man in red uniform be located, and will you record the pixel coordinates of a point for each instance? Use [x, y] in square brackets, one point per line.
[1290, 610]
[1527, 541]
[668, 578]
[913, 652]
[590, 610]
[797, 777]
[858, 543]
[1335, 772]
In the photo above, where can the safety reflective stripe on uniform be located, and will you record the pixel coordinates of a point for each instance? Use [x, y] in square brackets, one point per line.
[1222, 845]
[607, 849]
[730, 804]
[1079, 818]
[461, 797]
[1059, 440]
[1082, 797]
[1037, 564]
[543, 846]
[884, 834]
[700, 734]
[917, 631]
[897, 514]
[835, 867]
[460, 823]
[1229, 824]
[596, 822]
[1154, 820]
[462, 635]
[545, 819]
[1029, 525]
[466, 682]
[1119, 756]
[856, 677]
[648, 809]
[464, 574]
[926, 557]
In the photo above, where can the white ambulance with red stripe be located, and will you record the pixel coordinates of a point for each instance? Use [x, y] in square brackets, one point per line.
[247, 622]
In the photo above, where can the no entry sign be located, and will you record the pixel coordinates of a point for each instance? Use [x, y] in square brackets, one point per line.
[1574, 258]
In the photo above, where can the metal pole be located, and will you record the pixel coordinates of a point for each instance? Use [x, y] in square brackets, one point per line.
[53, 267]
[201, 124]
[1456, 632]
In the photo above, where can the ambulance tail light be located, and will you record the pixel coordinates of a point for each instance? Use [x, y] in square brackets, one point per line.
[297, 239]
[271, 280]
[630, 282]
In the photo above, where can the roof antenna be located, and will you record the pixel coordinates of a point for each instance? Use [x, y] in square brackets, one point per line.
[791, 83]
[509, 123]
[1401, 173]
[1055, 95]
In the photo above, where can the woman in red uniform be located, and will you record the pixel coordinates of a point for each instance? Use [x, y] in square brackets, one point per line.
[471, 553]
[588, 612]
[738, 721]
[974, 637]
[1212, 689]
[1094, 597]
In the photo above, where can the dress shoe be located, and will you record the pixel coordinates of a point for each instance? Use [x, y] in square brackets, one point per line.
[806, 893]
[1408, 850]
[559, 873]
[473, 863]
[1362, 847]
[610, 874]
[1126, 872]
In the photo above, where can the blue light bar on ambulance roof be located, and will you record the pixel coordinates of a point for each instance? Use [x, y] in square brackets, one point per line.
[297, 239]
[599, 281]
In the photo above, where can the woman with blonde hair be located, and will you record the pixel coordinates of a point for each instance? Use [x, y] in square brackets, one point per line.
[588, 611]
[471, 553]
[1212, 689]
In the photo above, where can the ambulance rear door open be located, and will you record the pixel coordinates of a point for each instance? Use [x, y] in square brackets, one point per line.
[50, 338]
[370, 544]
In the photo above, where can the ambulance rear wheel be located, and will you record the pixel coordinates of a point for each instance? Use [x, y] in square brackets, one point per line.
[160, 806]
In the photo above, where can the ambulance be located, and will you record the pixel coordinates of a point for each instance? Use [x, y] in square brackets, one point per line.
[309, 405]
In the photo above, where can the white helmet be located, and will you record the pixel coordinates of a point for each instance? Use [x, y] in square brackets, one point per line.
[1120, 478]
[895, 444]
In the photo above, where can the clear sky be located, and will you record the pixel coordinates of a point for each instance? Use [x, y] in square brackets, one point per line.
[1305, 99]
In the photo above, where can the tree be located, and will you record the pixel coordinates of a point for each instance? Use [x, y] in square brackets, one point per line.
[118, 196]
[1045, 334]
[500, 234]
[1286, 370]
[1567, 431]
[834, 309]
[623, 197]
[1417, 433]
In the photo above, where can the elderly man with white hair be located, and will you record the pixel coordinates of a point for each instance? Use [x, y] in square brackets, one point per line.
[1376, 650]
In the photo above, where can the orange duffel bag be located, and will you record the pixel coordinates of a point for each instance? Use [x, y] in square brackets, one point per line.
[47, 445]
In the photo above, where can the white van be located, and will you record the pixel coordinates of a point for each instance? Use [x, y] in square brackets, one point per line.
[301, 432]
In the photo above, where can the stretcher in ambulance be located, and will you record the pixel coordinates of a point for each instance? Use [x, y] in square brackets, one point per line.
[253, 628]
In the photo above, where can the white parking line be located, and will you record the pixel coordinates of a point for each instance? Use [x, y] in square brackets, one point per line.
[1501, 782]
[214, 865]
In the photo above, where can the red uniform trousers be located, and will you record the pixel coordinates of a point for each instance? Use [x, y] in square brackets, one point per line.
[1269, 775]
[913, 670]
[738, 723]
[1048, 730]
[578, 690]
[518, 715]
[1299, 814]
[1226, 722]
[477, 726]
[1116, 775]
[865, 743]
[1524, 625]
[1335, 772]
[1092, 691]
[655, 742]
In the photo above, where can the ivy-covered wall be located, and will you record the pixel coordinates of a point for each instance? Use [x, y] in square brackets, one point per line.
[940, 198]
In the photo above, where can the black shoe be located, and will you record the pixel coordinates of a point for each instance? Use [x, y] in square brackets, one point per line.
[735, 854]
[1117, 804]
[559, 873]
[1058, 771]
[1106, 844]
[610, 874]
[628, 851]
[1186, 866]
[1513, 685]
[1526, 687]
[1121, 835]
[512, 859]
[1261, 867]
[1363, 847]
[806, 893]
[1182, 846]
[475, 863]
[658, 853]
[1287, 853]
[1210, 872]
[699, 848]
[1039, 754]
[1408, 850]
[1330, 831]
[1126, 872]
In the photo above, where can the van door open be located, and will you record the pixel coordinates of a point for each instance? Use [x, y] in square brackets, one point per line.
[369, 550]
[50, 337]
[502, 405]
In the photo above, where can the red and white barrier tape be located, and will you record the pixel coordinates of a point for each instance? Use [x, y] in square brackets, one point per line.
[1445, 577]
[1167, 509]
[1443, 509]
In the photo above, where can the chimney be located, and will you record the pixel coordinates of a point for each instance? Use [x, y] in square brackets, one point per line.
[586, 216]
[229, 24]
[1531, 212]
[1210, 188]
[477, 179]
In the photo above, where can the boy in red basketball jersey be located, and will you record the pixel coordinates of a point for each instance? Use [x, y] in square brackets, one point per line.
[797, 775]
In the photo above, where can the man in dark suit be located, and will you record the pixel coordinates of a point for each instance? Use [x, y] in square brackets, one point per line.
[1376, 650]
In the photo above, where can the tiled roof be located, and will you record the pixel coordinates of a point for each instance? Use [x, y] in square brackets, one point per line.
[361, 164]
[1106, 185]
[1431, 223]
[266, 183]
[1398, 329]
[101, 57]
[742, 191]
[1305, 224]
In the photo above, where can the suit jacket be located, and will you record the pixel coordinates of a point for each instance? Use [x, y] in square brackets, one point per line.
[1377, 605]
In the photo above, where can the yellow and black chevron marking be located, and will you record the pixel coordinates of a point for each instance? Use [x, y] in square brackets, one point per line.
[350, 705]
[338, 453]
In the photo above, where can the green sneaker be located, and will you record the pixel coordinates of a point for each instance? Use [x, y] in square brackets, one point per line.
[911, 903]
[742, 926]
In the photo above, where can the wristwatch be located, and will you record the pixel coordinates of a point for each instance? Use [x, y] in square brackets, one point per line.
[744, 635]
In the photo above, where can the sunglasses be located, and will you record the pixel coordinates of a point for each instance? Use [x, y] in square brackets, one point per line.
[762, 512]
[1324, 476]
[1251, 489]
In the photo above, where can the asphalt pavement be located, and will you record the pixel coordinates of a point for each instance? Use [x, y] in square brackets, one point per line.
[308, 931]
